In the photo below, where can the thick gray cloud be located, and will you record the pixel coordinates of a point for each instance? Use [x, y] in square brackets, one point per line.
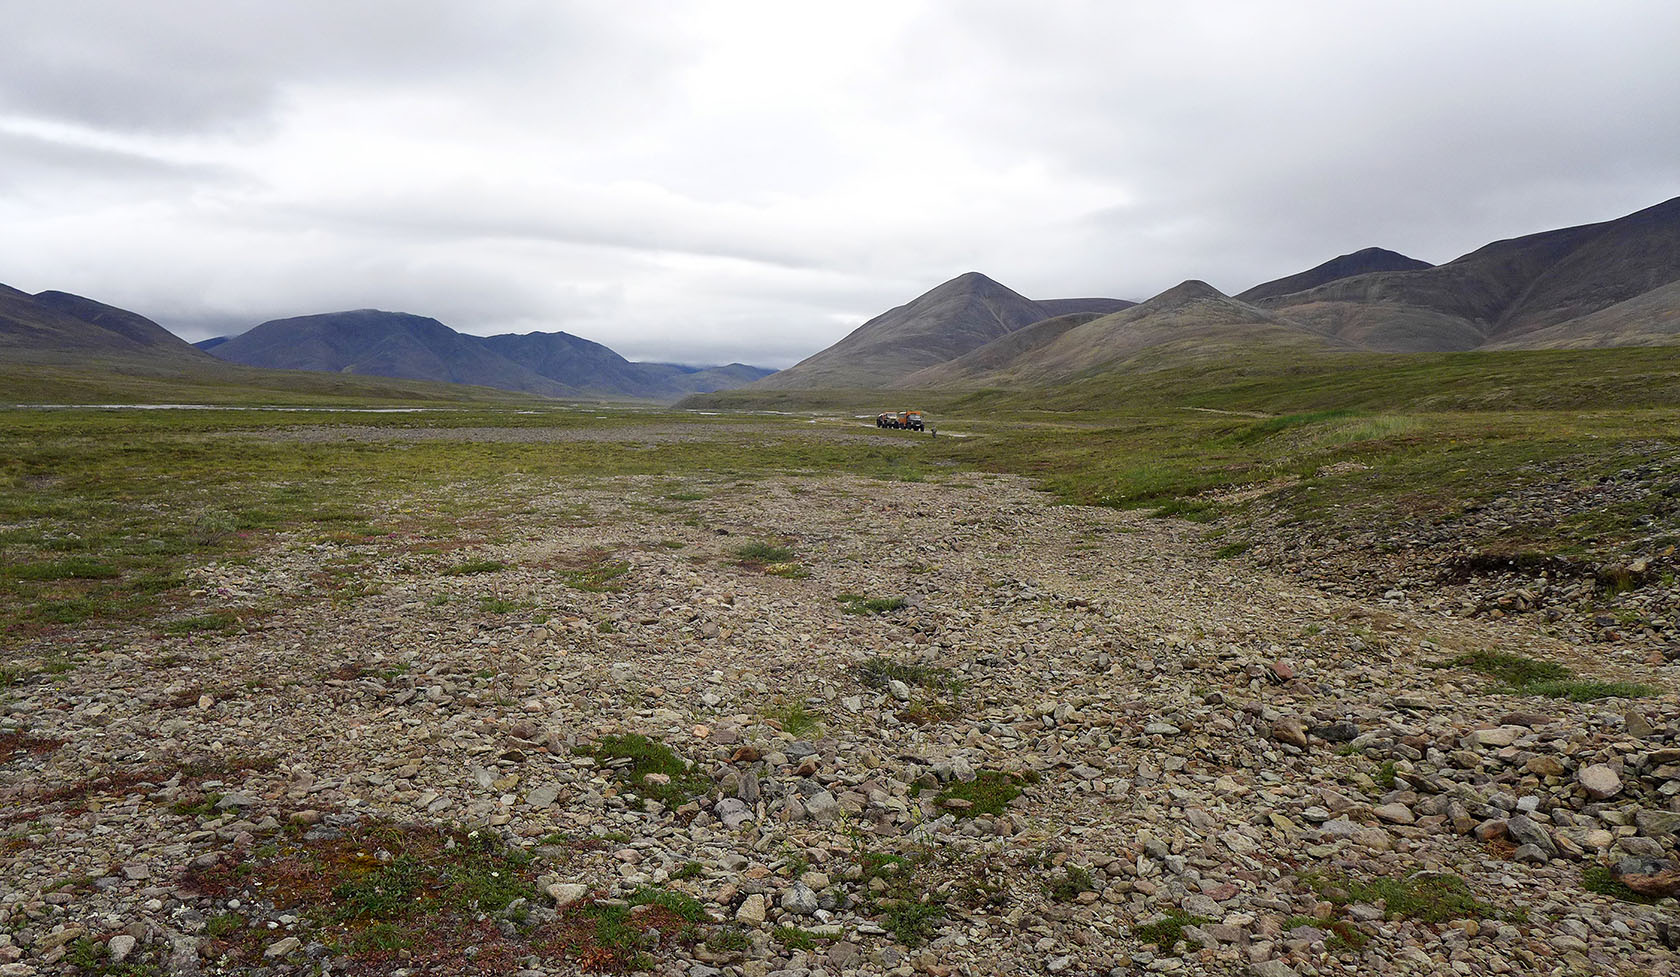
[748, 181]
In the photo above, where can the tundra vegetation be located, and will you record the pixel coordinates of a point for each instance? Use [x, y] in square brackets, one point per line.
[1347, 666]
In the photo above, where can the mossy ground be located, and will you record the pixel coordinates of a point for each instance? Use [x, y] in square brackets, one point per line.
[1429, 897]
[648, 767]
[1528, 676]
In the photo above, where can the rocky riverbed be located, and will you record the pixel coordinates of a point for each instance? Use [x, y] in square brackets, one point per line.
[830, 725]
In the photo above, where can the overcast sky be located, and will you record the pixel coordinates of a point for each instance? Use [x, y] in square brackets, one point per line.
[707, 182]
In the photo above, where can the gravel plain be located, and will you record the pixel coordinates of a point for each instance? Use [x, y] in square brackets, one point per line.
[1080, 744]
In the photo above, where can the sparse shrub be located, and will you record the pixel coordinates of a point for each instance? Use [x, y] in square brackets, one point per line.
[474, 566]
[1529, 676]
[855, 604]
[1599, 879]
[1067, 886]
[690, 870]
[1168, 931]
[649, 757]
[1191, 509]
[762, 554]
[878, 672]
[794, 938]
[1428, 897]
[728, 939]
[988, 793]
[793, 718]
[215, 621]
[598, 578]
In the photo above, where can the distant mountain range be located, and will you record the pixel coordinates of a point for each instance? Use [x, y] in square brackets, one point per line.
[1609, 284]
[64, 329]
[396, 344]
[1615, 283]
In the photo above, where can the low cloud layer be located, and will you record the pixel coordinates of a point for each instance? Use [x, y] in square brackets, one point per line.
[749, 181]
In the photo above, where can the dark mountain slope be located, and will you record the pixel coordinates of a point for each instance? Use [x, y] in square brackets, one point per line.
[60, 327]
[388, 344]
[120, 322]
[1500, 291]
[1361, 262]
[592, 368]
[1648, 319]
[570, 360]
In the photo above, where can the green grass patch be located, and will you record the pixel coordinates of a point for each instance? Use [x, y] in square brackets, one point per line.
[988, 793]
[69, 568]
[1514, 670]
[878, 672]
[795, 938]
[1260, 430]
[1193, 510]
[197, 807]
[794, 718]
[1426, 896]
[1528, 676]
[214, 621]
[633, 759]
[599, 578]
[856, 604]
[728, 939]
[473, 566]
[689, 870]
[759, 553]
[1231, 551]
[1581, 690]
[1599, 880]
[898, 897]
[1066, 886]
[681, 904]
[1167, 932]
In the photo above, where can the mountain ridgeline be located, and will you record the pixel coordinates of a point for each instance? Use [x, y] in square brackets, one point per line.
[958, 317]
[396, 344]
[52, 326]
[64, 331]
[1615, 283]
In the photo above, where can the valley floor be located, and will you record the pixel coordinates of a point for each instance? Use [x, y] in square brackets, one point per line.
[685, 723]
